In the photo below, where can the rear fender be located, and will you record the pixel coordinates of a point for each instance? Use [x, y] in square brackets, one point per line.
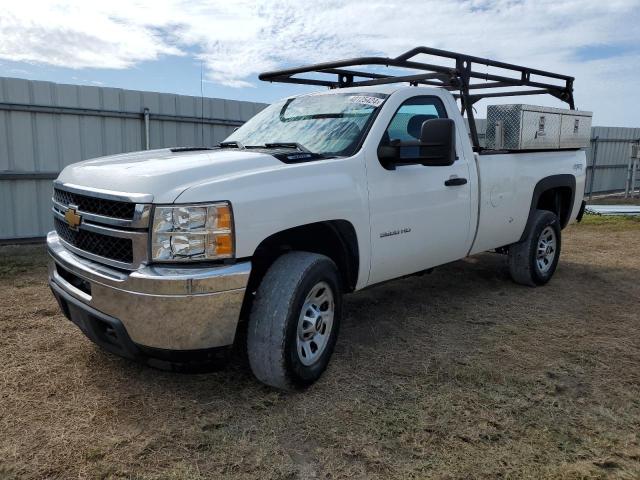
[544, 185]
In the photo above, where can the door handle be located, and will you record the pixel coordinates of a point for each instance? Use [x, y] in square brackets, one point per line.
[452, 182]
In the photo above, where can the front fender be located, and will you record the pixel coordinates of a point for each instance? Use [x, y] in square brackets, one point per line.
[270, 201]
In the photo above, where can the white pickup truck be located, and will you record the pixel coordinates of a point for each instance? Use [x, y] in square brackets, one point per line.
[165, 256]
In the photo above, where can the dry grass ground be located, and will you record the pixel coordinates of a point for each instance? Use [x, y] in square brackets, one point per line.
[458, 374]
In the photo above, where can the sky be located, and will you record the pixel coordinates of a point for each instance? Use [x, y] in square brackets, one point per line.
[168, 46]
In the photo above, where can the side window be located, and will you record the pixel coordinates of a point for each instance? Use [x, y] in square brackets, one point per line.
[407, 122]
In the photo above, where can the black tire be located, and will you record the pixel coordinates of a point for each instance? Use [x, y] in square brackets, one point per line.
[523, 256]
[273, 329]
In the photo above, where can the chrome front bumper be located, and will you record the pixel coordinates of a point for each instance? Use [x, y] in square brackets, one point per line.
[169, 308]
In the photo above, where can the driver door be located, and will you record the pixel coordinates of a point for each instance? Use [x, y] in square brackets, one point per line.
[417, 221]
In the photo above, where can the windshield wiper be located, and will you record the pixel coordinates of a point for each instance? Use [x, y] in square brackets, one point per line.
[303, 152]
[231, 144]
[296, 145]
[269, 145]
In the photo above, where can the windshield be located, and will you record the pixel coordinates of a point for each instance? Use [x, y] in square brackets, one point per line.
[327, 124]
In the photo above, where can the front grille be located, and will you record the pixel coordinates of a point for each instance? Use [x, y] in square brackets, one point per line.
[114, 248]
[97, 206]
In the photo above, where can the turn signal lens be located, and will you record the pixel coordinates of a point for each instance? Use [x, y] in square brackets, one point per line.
[223, 218]
[224, 244]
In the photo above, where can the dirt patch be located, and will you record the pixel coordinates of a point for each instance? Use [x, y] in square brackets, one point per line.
[457, 374]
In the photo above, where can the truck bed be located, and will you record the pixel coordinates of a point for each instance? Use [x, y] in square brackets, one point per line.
[506, 183]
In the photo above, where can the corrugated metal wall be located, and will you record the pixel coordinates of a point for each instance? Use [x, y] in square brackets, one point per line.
[611, 148]
[45, 126]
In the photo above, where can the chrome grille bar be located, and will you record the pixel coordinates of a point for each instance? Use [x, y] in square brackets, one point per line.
[105, 194]
[140, 216]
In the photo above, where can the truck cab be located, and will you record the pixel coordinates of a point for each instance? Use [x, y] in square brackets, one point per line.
[164, 256]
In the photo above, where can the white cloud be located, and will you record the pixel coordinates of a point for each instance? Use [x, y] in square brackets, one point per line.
[238, 39]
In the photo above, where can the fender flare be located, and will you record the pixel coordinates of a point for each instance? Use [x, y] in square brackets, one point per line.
[548, 183]
[343, 232]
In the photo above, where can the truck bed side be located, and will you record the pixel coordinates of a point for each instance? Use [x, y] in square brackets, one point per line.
[507, 182]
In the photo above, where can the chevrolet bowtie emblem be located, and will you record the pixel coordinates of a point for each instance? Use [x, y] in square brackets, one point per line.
[72, 217]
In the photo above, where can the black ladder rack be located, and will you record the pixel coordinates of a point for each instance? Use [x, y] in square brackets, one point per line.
[461, 78]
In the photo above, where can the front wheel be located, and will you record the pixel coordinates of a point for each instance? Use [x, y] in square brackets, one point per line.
[294, 320]
[534, 260]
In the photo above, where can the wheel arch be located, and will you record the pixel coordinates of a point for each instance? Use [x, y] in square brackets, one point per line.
[555, 193]
[337, 239]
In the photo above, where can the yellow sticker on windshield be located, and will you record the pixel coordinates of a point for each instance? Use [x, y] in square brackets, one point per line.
[366, 100]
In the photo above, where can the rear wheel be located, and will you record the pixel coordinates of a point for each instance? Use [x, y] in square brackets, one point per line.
[294, 320]
[534, 260]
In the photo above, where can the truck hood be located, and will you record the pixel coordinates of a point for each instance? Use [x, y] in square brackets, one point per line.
[163, 173]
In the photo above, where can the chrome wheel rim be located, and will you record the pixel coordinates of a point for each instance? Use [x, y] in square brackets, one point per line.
[315, 323]
[546, 251]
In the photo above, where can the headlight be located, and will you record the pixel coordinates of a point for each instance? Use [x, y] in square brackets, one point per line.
[192, 232]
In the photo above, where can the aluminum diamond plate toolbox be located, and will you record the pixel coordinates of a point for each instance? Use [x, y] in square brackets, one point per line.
[529, 127]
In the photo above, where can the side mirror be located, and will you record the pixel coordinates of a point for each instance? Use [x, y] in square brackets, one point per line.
[438, 142]
[436, 147]
[389, 155]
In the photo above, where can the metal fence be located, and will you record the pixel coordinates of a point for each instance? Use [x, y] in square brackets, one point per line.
[608, 158]
[45, 126]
